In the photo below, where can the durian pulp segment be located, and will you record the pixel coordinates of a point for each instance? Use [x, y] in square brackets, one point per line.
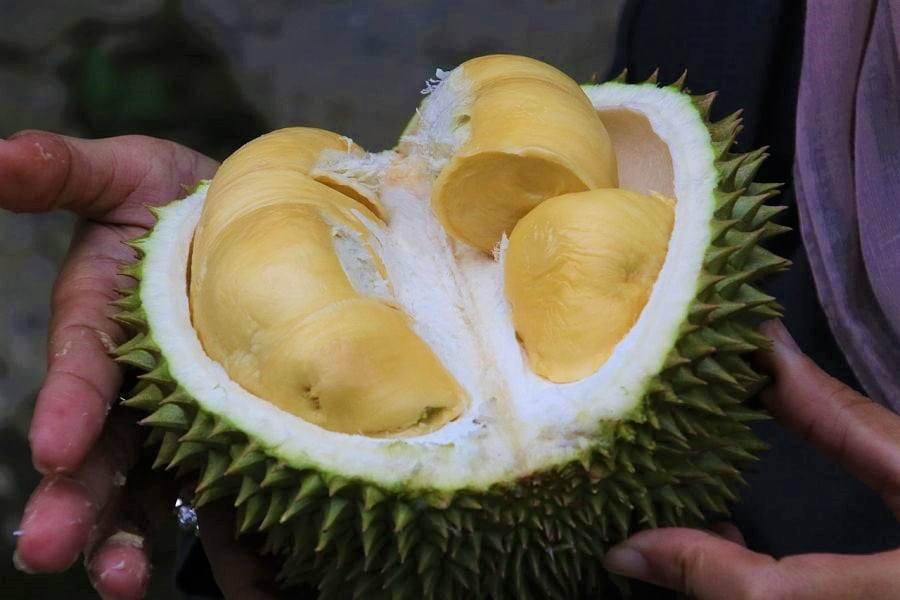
[516, 422]
[524, 132]
[287, 244]
[275, 288]
[579, 269]
[298, 149]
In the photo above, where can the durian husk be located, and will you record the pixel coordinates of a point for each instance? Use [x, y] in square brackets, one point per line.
[676, 460]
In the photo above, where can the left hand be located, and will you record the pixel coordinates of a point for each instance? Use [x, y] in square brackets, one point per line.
[857, 433]
[83, 450]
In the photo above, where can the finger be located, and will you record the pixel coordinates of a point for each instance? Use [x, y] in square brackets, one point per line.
[82, 379]
[63, 512]
[108, 179]
[704, 566]
[689, 561]
[118, 561]
[239, 572]
[861, 435]
[120, 567]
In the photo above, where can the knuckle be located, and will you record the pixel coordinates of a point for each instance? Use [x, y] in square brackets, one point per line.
[691, 575]
[758, 587]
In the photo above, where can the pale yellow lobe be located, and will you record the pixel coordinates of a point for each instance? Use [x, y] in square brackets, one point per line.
[531, 134]
[258, 189]
[298, 149]
[273, 264]
[358, 367]
[579, 269]
[289, 294]
[274, 304]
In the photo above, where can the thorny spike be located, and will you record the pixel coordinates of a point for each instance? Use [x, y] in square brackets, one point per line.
[372, 497]
[169, 416]
[179, 396]
[403, 515]
[147, 399]
[167, 450]
[278, 475]
[710, 370]
[254, 512]
[132, 270]
[187, 453]
[142, 341]
[159, 373]
[140, 359]
[311, 487]
[704, 103]
[199, 429]
[211, 495]
[129, 301]
[247, 458]
[215, 469]
[249, 487]
[277, 506]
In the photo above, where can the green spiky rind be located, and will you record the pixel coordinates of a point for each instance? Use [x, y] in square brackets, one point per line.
[678, 459]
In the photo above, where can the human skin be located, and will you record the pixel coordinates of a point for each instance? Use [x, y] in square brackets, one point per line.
[855, 432]
[83, 451]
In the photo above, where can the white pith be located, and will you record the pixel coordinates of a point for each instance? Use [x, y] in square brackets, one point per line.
[517, 423]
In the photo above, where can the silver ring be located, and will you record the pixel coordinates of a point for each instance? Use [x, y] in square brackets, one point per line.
[186, 515]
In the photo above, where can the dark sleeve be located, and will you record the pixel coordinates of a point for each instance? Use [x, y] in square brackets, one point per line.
[750, 51]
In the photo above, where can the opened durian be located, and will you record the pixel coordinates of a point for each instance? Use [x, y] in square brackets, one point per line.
[468, 365]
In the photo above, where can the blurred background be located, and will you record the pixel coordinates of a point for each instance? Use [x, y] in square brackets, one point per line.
[213, 75]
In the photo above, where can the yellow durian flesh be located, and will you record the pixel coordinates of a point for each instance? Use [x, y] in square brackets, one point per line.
[579, 269]
[264, 264]
[356, 366]
[299, 149]
[532, 134]
[269, 266]
[272, 301]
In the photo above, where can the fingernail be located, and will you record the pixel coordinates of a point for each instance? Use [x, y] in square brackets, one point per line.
[781, 336]
[626, 561]
[125, 538]
[19, 565]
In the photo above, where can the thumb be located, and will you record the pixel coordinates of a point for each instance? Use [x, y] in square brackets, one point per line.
[690, 561]
[108, 179]
[706, 567]
[860, 435]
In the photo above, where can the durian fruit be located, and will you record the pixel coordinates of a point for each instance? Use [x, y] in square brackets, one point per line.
[467, 366]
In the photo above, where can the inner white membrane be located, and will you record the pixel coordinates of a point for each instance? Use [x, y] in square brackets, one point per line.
[516, 422]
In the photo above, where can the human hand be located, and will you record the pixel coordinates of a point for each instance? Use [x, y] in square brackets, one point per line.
[78, 507]
[857, 433]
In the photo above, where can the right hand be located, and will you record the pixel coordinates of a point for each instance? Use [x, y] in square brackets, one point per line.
[855, 432]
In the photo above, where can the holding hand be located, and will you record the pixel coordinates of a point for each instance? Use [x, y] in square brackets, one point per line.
[83, 455]
[862, 436]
